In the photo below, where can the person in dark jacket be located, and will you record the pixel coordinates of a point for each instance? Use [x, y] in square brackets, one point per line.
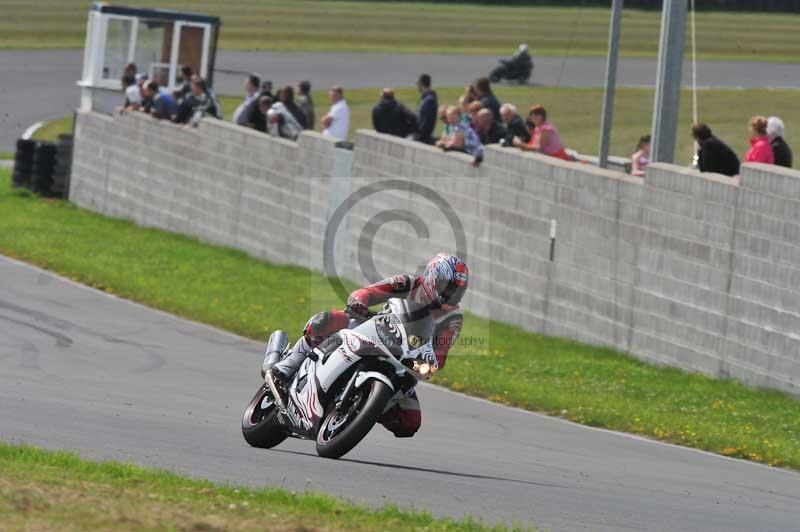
[197, 104]
[255, 112]
[781, 150]
[714, 155]
[392, 117]
[488, 129]
[515, 125]
[426, 110]
[286, 97]
[482, 91]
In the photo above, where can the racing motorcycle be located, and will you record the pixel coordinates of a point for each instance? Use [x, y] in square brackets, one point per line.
[347, 382]
[518, 68]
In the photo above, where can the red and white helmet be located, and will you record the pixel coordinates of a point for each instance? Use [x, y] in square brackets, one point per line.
[444, 281]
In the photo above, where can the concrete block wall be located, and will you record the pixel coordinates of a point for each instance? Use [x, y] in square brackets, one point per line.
[693, 270]
[698, 271]
[219, 182]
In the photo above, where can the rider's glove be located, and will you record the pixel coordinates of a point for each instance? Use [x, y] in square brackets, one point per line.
[357, 306]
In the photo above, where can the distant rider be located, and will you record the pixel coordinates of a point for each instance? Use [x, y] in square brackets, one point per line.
[441, 286]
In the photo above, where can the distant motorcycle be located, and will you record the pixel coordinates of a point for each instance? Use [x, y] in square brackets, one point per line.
[518, 68]
[346, 383]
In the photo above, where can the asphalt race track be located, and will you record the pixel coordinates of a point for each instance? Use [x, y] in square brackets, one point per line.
[83, 370]
[40, 85]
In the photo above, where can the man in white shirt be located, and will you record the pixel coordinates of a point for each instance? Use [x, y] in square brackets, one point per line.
[133, 98]
[251, 86]
[337, 121]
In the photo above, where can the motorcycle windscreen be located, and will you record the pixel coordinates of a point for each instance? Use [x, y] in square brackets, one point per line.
[417, 322]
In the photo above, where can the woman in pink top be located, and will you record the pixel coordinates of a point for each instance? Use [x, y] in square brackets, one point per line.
[544, 137]
[760, 149]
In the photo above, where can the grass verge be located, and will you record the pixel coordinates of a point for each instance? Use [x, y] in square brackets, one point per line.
[405, 27]
[53, 128]
[576, 112]
[226, 288]
[41, 490]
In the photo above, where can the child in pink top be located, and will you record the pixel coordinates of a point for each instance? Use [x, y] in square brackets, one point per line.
[641, 158]
[760, 149]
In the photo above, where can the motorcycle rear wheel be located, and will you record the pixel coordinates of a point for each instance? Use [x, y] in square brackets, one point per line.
[260, 425]
[340, 431]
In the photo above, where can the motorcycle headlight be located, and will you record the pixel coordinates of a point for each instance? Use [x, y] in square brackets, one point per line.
[424, 368]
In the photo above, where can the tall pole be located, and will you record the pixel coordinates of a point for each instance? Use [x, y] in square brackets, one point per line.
[611, 81]
[668, 81]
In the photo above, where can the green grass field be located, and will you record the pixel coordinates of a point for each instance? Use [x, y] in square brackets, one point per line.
[597, 387]
[58, 491]
[576, 112]
[420, 28]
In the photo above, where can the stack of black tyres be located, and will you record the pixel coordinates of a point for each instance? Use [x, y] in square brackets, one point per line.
[44, 160]
[61, 170]
[23, 163]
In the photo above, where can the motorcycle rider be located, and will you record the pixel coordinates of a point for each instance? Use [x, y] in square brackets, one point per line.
[521, 56]
[441, 287]
[518, 66]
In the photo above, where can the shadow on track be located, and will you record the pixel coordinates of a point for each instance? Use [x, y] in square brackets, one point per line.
[428, 470]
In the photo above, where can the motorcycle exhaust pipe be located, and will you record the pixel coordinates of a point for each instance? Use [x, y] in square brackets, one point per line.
[275, 347]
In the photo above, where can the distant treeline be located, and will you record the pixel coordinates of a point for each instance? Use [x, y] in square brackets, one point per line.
[790, 6]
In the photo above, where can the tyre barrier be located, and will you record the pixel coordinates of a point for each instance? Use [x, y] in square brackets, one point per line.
[44, 159]
[23, 163]
[62, 167]
[44, 167]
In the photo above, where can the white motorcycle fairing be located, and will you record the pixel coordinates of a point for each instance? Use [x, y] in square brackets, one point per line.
[383, 340]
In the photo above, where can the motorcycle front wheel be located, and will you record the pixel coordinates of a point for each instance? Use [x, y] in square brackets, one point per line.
[260, 425]
[497, 74]
[343, 429]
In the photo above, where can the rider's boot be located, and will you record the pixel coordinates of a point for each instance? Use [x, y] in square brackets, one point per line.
[279, 377]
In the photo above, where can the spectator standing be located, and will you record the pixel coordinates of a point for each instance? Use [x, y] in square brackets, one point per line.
[306, 103]
[463, 108]
[266, 89]
[201, 102]
[186, 84]
[282, 123]
[484, 94]
[488, 129]
[337, 121]
[251, 85]
[641, 158]
[426, 109]
[286, 97]
[760, 149]
[714, 155]
[461, 137]
[780, 150]
[392, 117]
[515, 126]
[162, 105]
[441, 114]
[255, 116]
[545, 138]
[133, 96]
[472, 110]
[129, 70]
[258, 119]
